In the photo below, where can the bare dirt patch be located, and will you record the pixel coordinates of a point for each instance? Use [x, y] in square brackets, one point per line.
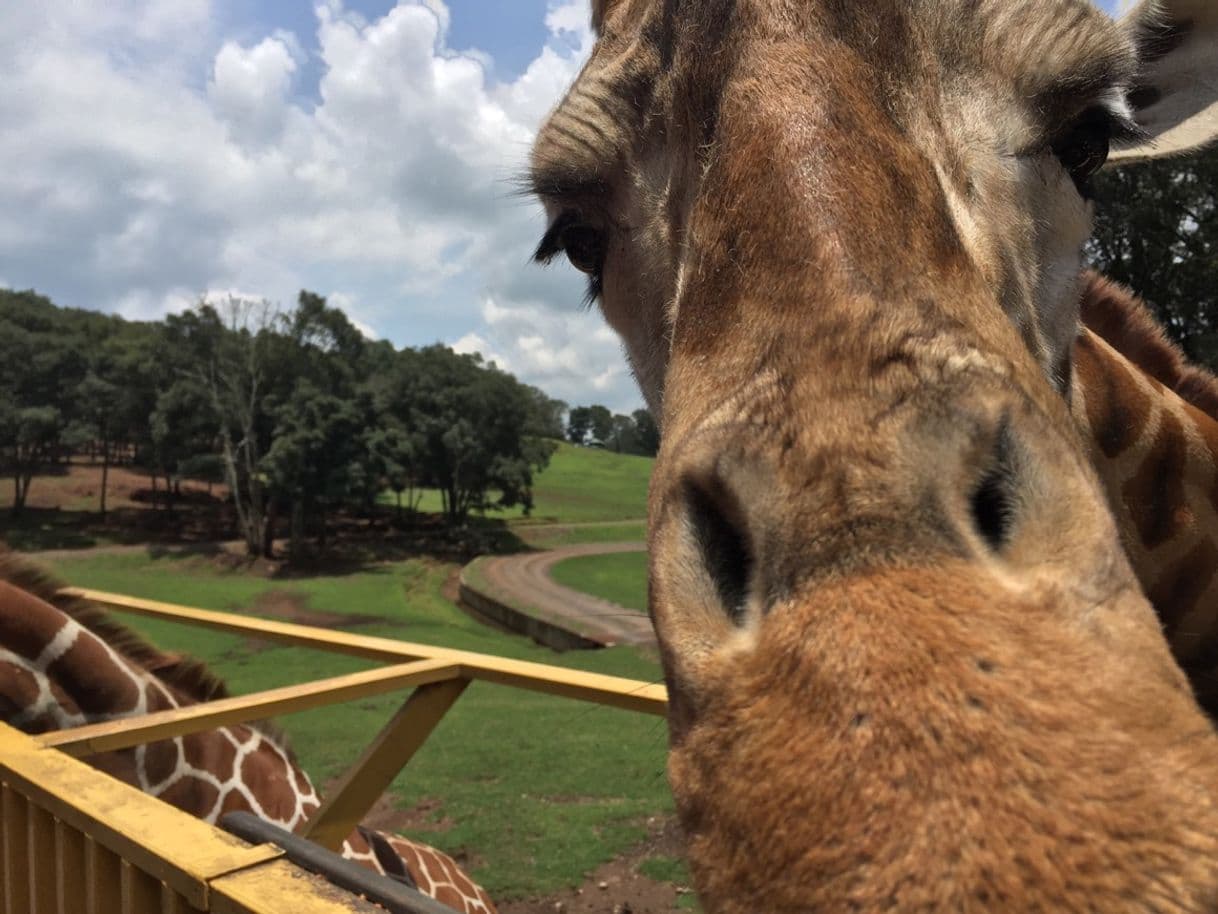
[77, 486]
[294, 607]
[618, 887]
[388, 817]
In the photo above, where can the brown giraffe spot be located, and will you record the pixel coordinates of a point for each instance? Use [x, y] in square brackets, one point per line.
[1156, 490]
[414, 864]
[119, 765]
[210, 752]
[160, 760]
[235, 801]
[1117, 408]
[301, 781]
[87, 672]
[446, 894]
[463, 883]
[1181, 585]
[192, 795]
[266, 775]
[18, 690]
[28, 623]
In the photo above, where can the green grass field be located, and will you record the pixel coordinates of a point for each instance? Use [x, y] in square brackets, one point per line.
[538, 790]
[551, 536]
[620, 578]
[579, 485]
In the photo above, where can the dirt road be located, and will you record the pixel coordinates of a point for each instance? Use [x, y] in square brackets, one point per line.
[527, 579]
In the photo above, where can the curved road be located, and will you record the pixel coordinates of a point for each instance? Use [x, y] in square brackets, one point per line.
[527, 579]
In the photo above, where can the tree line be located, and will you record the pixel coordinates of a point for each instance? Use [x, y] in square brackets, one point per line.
[1157, 231]
[294, 411]
[596, 426]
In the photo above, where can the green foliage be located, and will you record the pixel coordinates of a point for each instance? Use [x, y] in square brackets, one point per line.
[579, 424]
[1157, 231]
[295, 411]
[545, 415]
[596, 426]
[646, 432]
[468, 424]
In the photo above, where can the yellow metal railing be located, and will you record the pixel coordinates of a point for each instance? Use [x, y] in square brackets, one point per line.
[73, 840]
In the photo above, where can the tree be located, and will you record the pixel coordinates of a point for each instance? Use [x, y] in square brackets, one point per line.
[183, 433]
[395, 452]
[589, 424]
[579, 424]
[601, 422]
[545, 415]
[99, 400]
[646, 432]
[29, 436]
[470, 421]
[624, 437]
[1157, 231]
[314, 461]
[227, 351]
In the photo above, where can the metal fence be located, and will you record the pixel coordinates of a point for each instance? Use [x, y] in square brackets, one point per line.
[73, 840]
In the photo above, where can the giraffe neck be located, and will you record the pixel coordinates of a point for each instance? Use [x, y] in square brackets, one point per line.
[55, 672]
[1149, 420]
[64, 664]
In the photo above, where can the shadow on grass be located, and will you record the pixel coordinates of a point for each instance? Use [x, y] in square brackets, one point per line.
[40, 529]
[354, 543]
[361, 545]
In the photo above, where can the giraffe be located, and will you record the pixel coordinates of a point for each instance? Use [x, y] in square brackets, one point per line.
[1151, 423]
[909, 665]
[65, 663]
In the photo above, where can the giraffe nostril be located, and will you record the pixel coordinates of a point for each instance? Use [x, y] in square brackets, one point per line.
[993, 503]
[714, 517]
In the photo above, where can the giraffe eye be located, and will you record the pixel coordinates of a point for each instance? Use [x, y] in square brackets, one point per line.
[584, 247]
[1083, 148]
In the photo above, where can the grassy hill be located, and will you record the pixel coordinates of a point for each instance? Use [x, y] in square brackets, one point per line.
[580, 485]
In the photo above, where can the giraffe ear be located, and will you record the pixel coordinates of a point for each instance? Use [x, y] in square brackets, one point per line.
[1175, 95]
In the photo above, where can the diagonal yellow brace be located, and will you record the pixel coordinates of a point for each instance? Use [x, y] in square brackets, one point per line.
[363, 783]
[125, 732]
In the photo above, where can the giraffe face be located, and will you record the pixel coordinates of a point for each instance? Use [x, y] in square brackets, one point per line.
[841, 245]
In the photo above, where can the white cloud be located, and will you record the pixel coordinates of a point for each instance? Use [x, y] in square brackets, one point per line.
[249, 89]
[571, 355]
[148, 158]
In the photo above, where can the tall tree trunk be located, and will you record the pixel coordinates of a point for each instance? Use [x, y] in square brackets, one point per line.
[268, 530]
[297, 533]
[105, 476]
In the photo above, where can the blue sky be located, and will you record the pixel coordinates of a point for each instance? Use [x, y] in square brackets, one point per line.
[157, 151]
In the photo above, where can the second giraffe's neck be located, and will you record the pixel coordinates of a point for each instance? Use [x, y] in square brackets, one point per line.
[1149, 421]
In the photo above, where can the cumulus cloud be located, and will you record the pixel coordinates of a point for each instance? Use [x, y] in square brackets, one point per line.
[249, 88]
[149, 158]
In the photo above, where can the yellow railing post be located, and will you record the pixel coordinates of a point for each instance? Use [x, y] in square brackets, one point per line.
[343, 807]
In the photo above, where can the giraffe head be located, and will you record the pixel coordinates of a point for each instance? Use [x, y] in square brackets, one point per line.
[909, 667]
